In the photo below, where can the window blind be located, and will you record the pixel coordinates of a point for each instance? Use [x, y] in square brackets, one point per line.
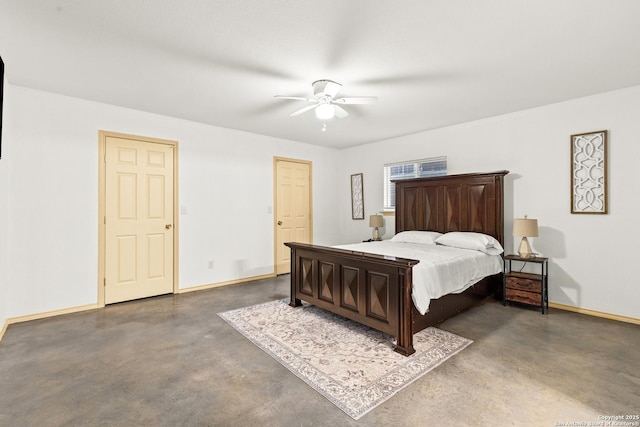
[435, 166]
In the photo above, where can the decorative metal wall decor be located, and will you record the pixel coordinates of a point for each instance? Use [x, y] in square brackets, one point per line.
[357, 197]
[589, 173]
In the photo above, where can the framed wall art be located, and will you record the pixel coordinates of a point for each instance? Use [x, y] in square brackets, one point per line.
[357, 197]
[589, 173]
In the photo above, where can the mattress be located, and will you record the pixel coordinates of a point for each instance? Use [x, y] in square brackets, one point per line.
[441, 269]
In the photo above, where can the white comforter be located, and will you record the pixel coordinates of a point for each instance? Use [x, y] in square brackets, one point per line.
[442, 270]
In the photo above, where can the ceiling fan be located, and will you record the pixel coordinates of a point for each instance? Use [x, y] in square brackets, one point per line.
[325, 103]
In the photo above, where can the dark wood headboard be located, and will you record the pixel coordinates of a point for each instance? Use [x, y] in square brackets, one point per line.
[466, 202]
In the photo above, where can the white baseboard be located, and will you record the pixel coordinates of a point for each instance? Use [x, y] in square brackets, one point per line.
[36, 316]
[595, 313]
[4, 329]
[52, 313]
[20, 319]
[229, 282]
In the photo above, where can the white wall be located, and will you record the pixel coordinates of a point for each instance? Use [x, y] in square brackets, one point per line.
[4, 212]
[48, 194]
[225, 182]
[591, 256]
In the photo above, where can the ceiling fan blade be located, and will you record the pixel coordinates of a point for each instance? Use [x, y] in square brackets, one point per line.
[357, 100]
[297, 98]
[324, 92]
[341, 113]
[331, 88]
[303, 110]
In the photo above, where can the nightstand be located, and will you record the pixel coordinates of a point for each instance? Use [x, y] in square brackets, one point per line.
[526, 288]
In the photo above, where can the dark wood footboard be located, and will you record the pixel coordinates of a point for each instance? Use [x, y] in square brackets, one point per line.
[373, 290]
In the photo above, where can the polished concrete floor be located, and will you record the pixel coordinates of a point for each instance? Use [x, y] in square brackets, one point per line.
[171, 361]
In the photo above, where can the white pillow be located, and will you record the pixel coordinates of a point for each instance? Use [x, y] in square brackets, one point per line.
[468, 240]
[421, 237]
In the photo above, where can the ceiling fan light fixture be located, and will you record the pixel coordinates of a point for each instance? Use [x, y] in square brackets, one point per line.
[325, 103]
[325, 111]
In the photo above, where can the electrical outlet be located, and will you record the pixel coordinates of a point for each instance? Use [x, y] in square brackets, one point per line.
[210, 264]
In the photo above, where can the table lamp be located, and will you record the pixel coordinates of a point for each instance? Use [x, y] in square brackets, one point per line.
[376, 221]
[525, 227]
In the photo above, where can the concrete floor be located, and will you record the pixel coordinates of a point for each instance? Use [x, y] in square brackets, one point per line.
[171, 361]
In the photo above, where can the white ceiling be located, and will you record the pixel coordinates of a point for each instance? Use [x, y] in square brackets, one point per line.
[432, 63]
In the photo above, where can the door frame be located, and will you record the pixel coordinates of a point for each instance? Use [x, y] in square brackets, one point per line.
[277, 159]
[102, 145]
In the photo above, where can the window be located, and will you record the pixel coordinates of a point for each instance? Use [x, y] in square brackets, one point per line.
[435, 166]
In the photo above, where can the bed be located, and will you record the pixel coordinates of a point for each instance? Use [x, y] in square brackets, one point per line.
[376, 289]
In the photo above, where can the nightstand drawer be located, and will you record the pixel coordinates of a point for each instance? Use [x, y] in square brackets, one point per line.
[526, 287]
[523, 284]
[524, 297]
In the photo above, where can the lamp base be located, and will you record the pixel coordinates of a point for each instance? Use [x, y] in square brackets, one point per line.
[376, 235]
[525, 249]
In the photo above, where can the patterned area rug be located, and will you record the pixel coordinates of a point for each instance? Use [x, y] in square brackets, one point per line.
[351, 365]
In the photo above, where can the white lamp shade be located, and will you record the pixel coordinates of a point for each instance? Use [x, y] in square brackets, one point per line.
[525, 227]
[375, 221]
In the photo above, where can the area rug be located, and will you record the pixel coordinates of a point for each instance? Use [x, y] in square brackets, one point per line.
[352, 365]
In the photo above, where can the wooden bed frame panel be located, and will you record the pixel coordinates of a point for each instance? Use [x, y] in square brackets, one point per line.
[375, 290]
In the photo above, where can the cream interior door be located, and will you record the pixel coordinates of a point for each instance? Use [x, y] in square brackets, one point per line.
[293, 209]
[138, 219]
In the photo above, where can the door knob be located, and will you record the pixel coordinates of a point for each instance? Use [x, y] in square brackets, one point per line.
[279, 222]
[168, 226]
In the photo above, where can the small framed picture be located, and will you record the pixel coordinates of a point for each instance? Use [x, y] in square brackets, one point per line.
[357, 198]
[589, 173]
